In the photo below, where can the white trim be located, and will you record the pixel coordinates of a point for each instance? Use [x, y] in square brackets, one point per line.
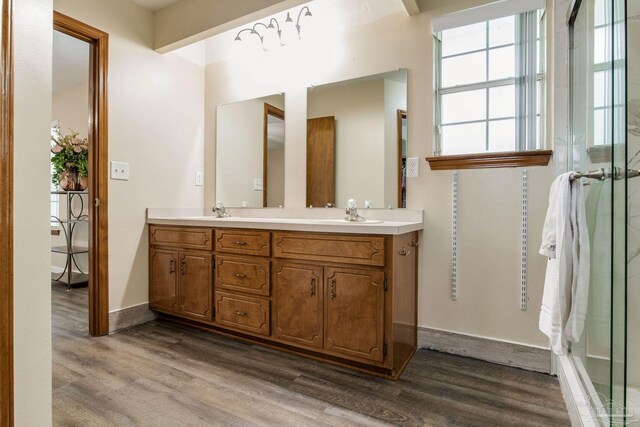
[580, 410]
[487, 12]
[491, 350]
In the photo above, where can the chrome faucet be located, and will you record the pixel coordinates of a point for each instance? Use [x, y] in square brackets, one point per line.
[220, 210]
[352, 212]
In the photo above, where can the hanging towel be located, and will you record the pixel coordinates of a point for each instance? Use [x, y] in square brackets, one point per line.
[557, 245]
[581, 255]
[565, 241]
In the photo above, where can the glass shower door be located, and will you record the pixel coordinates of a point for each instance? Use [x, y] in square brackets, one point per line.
[598, 128]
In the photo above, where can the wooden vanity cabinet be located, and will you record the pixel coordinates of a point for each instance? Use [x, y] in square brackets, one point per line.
[181, 281]
[354, 312]
[346, 299]
[163, 280]
[298, 308]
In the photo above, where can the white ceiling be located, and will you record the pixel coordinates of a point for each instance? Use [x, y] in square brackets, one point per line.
[155, 4]
[70, 62]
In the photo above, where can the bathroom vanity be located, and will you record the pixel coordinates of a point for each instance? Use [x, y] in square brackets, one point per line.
[320, 287]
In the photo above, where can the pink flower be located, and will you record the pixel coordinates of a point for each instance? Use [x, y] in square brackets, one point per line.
[77, 149]
[77, 141]
[56, 149]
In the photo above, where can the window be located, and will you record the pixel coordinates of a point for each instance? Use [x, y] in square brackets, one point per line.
[490, 81]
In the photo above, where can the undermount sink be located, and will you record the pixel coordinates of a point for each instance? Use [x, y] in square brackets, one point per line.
[344, 221]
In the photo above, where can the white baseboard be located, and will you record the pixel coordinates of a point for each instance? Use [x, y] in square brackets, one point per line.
[130, 316]
[501, 352]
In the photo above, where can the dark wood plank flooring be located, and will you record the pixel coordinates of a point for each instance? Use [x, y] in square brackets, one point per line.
[162, 374]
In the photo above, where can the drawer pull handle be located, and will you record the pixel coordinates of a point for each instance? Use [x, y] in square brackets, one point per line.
[414, 243]
[333, 288]
[404, 252]
[239, 243]
[172, 266]
[183, 267]
[312, 290]
[239, 275]
[241, 313]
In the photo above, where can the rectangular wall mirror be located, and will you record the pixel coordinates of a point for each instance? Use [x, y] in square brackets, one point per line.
[357, 142]
[250, 153]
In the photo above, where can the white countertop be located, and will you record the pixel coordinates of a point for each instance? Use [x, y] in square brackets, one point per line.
[379, 221]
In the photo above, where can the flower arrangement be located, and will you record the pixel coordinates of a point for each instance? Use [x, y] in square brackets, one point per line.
[70, 160]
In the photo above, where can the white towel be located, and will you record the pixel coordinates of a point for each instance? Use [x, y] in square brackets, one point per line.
[580, 249]
[557, 230]
[565, 241]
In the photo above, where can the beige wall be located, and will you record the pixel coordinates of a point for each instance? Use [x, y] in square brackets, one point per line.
[32, 39]
[275, 178]
[70, 107]
[489, 222]
[155, 125]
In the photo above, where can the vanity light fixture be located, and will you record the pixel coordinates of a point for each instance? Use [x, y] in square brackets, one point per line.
[271, 35]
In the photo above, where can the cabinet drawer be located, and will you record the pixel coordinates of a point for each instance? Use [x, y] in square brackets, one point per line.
[246, 313]
[243, 242]
[363, 250]
[242, 274]
[187, 238]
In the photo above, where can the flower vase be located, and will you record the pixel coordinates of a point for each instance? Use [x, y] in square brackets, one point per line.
[70, 180]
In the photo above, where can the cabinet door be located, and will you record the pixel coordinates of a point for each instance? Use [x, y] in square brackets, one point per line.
[163, 280]
[298, 303]
[196, 279]
[354, 312]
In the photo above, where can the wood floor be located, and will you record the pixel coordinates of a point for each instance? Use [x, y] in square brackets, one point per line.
[161, 374]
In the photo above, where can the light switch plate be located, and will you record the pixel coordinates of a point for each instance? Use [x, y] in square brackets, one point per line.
[199, 178]
[257, 184]
[413, 167]
[120, 171]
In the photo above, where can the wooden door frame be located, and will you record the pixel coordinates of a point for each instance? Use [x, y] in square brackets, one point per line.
[401, 114]
[98, 168]
[6, 217]
[269, 110]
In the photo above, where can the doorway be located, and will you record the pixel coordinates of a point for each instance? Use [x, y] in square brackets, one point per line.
[94, 201]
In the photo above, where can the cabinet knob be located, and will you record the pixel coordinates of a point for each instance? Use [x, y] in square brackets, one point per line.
[414, 243]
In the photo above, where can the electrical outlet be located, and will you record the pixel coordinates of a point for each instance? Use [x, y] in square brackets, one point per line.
[199, 178]
[120, 171]
[257, 184]
[413, 167]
